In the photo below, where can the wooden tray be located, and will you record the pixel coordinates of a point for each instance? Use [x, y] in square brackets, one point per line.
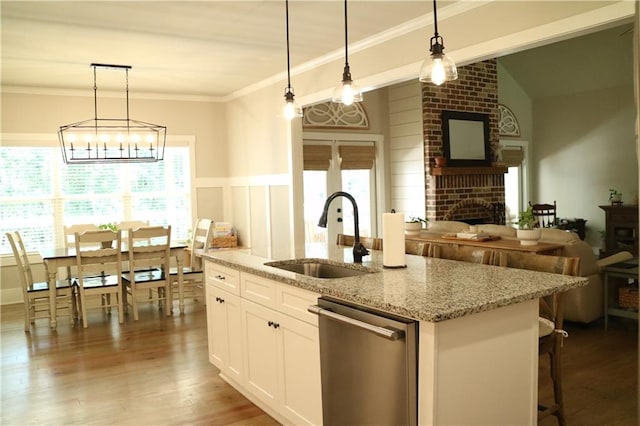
[454, 237]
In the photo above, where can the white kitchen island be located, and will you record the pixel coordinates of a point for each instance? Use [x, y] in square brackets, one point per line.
[478, 332]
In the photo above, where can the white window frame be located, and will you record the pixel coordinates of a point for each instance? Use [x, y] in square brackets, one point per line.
[47, 140]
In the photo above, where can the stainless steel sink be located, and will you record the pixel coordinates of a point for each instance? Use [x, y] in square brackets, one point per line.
[318, 268]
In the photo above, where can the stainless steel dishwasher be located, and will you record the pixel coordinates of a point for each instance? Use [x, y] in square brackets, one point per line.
[368, 363]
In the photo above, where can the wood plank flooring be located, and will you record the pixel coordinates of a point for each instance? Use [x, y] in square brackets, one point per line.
[151, 372]
[156, 372]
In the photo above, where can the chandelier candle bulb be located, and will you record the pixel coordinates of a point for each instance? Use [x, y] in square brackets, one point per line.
[393, 240]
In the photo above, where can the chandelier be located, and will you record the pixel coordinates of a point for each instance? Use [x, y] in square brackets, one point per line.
[111, 140]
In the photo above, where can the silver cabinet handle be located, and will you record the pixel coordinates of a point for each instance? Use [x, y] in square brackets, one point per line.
[387, 333]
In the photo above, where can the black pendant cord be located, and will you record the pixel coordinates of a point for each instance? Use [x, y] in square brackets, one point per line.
[346, 38]
[288, 60]
[435, 19]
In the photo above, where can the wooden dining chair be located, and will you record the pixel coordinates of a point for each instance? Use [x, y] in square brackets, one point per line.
[123, 228]
[417, 247]
[149, 256]
[551, 318]
[193, 275]
[545, 213]
[99, 264]
[125, 225]
[36, 295]
[372, 243]
[69, 241]
[461, 253]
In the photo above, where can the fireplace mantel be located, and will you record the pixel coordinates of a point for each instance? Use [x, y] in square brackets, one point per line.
[454, 171]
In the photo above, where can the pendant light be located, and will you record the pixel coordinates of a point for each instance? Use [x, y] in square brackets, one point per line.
[291, 107]
[111, 140]
[438, 68]
[347, 91]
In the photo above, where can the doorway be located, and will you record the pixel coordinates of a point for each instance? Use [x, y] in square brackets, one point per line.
[515, 155]
[341, 162]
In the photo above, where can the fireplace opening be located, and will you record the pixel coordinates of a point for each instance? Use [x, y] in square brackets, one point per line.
[477, 211]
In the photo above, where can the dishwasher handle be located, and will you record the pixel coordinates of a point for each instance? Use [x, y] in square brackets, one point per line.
[387, 333]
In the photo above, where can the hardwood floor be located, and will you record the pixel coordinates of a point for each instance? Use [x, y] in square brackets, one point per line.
[600, 375]
[156, 372]
[151, 372]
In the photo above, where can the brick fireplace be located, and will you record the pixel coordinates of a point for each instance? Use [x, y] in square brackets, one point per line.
[466, 194]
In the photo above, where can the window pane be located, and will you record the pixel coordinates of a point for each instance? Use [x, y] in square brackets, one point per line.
[147, 177]
[49, 194]
[85, 179]
[356, 183]
[34, 221]
[33, 168]
[93, 210]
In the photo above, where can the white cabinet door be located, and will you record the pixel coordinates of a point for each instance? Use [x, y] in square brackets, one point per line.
[224, 326]
[299, 366]
[260, 344]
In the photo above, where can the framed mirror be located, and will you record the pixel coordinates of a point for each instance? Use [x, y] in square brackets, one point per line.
[465, 139]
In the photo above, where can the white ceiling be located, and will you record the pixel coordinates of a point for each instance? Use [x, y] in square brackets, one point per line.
[201, 48]
[215, 49]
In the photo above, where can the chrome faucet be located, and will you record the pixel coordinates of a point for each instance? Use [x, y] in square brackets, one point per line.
[358, 249]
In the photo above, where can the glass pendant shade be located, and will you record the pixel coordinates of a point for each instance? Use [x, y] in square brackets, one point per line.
[291, 108]
[347, 93]
[437, 69]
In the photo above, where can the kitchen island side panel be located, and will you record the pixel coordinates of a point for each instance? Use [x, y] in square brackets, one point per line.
[480, 369]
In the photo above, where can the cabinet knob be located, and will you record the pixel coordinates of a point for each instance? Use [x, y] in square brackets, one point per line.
[219, 300]
[220, 277]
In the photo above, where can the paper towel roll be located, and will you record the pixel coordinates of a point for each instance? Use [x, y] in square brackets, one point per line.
[393, 240]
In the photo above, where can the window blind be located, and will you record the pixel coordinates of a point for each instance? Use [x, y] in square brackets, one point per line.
[357, 157]
[39, 194]
[316, 157]
[512, 157]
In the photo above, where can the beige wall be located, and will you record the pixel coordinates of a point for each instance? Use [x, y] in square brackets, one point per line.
[584, 144]
[516, 99]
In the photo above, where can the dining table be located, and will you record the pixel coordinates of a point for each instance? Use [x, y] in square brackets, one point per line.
[64, 257]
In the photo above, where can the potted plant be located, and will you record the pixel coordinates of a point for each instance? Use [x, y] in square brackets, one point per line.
[108, 226]
[527, 233]
[615, 197]
[414, 225]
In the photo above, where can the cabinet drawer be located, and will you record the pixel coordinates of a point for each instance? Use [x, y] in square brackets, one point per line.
[222, 277]
[294, 301]
[258, 289]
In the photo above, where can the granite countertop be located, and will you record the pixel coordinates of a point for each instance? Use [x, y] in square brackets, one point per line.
[427, 289]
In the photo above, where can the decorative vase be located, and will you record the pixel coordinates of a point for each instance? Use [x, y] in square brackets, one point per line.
[528, 237]
[440, 161]
[412, 228]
